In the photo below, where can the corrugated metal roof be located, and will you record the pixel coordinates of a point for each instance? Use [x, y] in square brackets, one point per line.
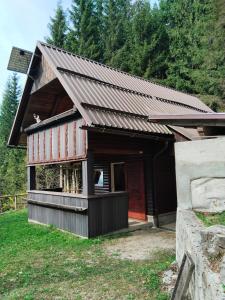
[94, 93]
[123, 121]
[106, 97]
[80, 65]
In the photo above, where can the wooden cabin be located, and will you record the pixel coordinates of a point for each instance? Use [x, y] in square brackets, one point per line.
[89, 126]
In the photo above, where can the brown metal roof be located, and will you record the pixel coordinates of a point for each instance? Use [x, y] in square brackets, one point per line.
[69, 61]
[108, 97]
[103, 95]
[125, 121]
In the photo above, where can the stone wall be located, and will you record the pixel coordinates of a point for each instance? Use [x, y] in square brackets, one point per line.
[206, 284]
[200, 175]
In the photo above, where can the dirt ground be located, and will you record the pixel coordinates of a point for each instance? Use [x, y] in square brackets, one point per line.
[141, 244]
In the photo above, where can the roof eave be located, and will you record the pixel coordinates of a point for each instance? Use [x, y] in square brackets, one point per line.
[195, 120]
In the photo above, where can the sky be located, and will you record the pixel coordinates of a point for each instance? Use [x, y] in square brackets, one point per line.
[22, 23]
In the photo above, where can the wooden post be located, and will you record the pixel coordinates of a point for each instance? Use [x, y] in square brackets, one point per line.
[31, 178]
[15, 198]
[87, 175]
[67, 181]
[61, 176]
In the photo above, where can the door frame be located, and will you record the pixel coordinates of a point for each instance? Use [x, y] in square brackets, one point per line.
[139, 215]
[112, 173]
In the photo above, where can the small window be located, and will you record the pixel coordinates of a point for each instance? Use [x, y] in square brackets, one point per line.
[98, 177]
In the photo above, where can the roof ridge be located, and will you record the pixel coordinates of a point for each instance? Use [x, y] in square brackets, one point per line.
[98, 81]
[115, 69]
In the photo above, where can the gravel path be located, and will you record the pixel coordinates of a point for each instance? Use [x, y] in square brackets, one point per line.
[141, 244]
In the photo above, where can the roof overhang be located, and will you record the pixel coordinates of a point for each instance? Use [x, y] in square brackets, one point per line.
[191, 120]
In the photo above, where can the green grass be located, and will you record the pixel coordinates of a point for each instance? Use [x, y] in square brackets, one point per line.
[38, 262]
[212, 219]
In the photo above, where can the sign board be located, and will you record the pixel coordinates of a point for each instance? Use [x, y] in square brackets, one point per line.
[184, 277]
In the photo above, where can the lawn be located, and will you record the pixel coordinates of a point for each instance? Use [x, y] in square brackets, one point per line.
[212, 219]
[38, 262]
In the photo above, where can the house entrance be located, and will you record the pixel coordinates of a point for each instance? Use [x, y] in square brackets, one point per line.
[129, 177]
[136, 189]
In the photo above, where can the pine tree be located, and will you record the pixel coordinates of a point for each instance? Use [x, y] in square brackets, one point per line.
[100, 28]
[9, 106]
[216, 58]
[117, 37]
[12, 166]
[196, 60]
[149, 41]
[84, 37]
[58, 28]
[159, 47]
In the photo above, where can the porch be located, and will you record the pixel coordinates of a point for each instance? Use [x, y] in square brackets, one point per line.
[89, 182]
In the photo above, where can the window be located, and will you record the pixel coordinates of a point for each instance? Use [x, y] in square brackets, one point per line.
[71, 177]
[98, 177]
[60, 178]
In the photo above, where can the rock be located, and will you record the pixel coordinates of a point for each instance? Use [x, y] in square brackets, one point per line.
[213, 240]
[167, 277]
[222, 271]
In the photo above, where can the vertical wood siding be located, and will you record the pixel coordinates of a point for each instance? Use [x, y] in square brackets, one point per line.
[80, 138]
[59, 143]
[30, 148]
[71, 144]
[47, 145]
[55, 143]
[41, 146]
[62, 142]
[66, 220]
[103, 214]
[36, 147]
[107, 214]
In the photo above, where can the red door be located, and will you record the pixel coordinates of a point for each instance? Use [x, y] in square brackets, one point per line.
[136, 189]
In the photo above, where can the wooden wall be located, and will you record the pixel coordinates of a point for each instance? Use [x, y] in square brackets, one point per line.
[84, 216]
[107, 213]
[44, 75]
[62, 142]
[160, 182]
[40, 210]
